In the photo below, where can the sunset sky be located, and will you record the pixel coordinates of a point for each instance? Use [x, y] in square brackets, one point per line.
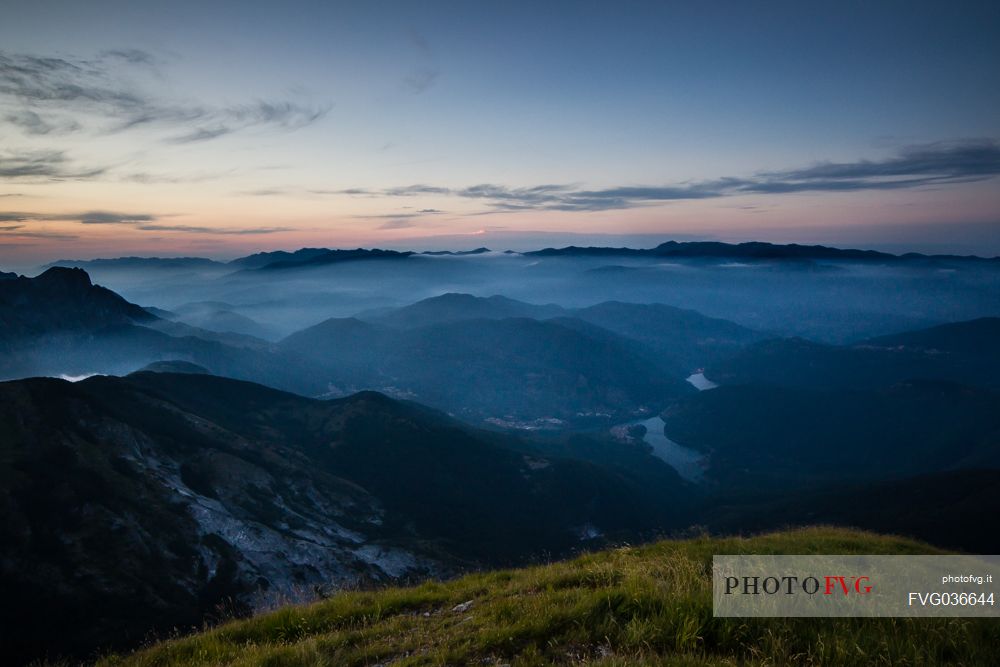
[222, 128]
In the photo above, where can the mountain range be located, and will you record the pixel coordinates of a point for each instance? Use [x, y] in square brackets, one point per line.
[752, 250]
[157, 496]
[479, 358]
[59, 323]
[205, 473]
[309, 257]
[482, 357]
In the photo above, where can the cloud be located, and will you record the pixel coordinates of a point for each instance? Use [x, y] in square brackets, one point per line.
[420, 43]
[39, 80]
[421, 79]
[131, 56]
[396, 223]
[15, 230]
[402, 191]
[412, 190]
[146, 222]
[563, 197]
[86, 218]
[912, 167]
[32, 123]
[214, 230]
[265, 192]
[110, 218]
[98, 90]
[939, 160]
[43, 165]
[147, 178]
[199, 134]
[283, 115]
[425, 74]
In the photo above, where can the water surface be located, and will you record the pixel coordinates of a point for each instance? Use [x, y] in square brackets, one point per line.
[688, 463]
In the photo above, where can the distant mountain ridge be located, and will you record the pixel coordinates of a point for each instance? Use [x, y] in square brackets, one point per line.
[260, 259]
[503, 368]
[138, 263]
[751, 250]
[311, 259]
[476, 251]
[455, 306]
[678, 337]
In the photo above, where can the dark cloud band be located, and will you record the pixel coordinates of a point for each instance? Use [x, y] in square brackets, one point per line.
[912, 167]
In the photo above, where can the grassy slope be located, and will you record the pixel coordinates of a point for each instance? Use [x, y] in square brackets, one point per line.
[635, 606]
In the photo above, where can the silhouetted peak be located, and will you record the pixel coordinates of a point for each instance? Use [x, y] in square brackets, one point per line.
[174, 366]
[65, 276]
[453, 297]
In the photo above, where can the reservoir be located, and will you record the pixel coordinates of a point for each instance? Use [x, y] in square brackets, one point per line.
[687, 462]
[700, 382]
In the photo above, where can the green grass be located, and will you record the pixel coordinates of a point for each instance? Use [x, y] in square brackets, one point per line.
[647, 605]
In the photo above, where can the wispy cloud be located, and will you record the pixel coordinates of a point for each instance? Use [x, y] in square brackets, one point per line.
[424, 74]
[31, 123]
[146, 178]
[421, 79]
[132, 57]
[912, 167]
[265, 192]
[41, 91]
[111, 218]
[283, 115]
[396, 223]
[20, 231]
[146, 222]
[85, 218]
[44, 165]
[225, 231]
[566, 197]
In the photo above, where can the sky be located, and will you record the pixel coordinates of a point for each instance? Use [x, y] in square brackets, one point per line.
[223, 128]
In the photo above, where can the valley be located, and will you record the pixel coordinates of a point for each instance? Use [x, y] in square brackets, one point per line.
[400, 443]
[499, 334]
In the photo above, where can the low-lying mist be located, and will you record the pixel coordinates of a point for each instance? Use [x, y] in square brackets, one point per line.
[828, 301]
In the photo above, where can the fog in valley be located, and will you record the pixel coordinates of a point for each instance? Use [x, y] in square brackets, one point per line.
[826, 301]
[306, 421]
